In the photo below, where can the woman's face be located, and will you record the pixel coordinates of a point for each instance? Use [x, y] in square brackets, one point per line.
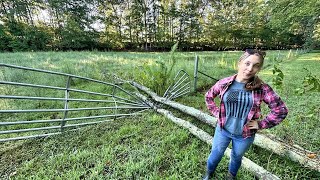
[248, 68]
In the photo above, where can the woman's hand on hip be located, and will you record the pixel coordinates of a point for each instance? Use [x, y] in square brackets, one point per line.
[252, 124]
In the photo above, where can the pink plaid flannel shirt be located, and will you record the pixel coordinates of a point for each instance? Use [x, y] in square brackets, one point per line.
[278, 109]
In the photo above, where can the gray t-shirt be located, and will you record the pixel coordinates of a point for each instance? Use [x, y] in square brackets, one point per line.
[238, 102]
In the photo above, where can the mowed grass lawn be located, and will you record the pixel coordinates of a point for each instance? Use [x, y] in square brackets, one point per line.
[150, 146]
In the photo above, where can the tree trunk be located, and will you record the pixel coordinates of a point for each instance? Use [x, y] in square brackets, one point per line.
[129, 24]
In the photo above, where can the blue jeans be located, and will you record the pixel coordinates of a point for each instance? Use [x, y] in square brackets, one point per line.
[220, 142]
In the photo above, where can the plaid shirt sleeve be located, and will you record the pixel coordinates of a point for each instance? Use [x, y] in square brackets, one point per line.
[278, 109]
[213, 92]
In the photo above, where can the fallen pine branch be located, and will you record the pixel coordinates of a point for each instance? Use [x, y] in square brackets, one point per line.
[293, 152]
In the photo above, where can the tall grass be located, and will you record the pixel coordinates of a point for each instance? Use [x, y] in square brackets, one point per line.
[148, 146]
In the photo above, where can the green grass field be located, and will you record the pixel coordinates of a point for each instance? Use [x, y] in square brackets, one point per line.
[150, 146]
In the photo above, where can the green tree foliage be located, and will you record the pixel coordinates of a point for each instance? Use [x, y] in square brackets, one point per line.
[311, 83]
[5, 38]
[157, 25]
[296, 18]
[19, 36]
[158, 75]
[277, 80]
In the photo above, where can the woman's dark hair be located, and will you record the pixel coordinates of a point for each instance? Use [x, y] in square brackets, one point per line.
[255, 82]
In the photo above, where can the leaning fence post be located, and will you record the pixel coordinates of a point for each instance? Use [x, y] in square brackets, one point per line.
[115, 102]
[195, 72]
[66, 94]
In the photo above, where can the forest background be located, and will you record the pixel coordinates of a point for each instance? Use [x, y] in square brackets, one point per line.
[153, 25]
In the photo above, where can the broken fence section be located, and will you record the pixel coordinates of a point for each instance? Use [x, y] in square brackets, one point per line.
[39, 103]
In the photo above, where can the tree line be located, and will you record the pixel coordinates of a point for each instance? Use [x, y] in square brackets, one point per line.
[41, 25]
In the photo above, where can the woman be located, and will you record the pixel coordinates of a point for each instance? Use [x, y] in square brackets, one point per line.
[239, 111]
